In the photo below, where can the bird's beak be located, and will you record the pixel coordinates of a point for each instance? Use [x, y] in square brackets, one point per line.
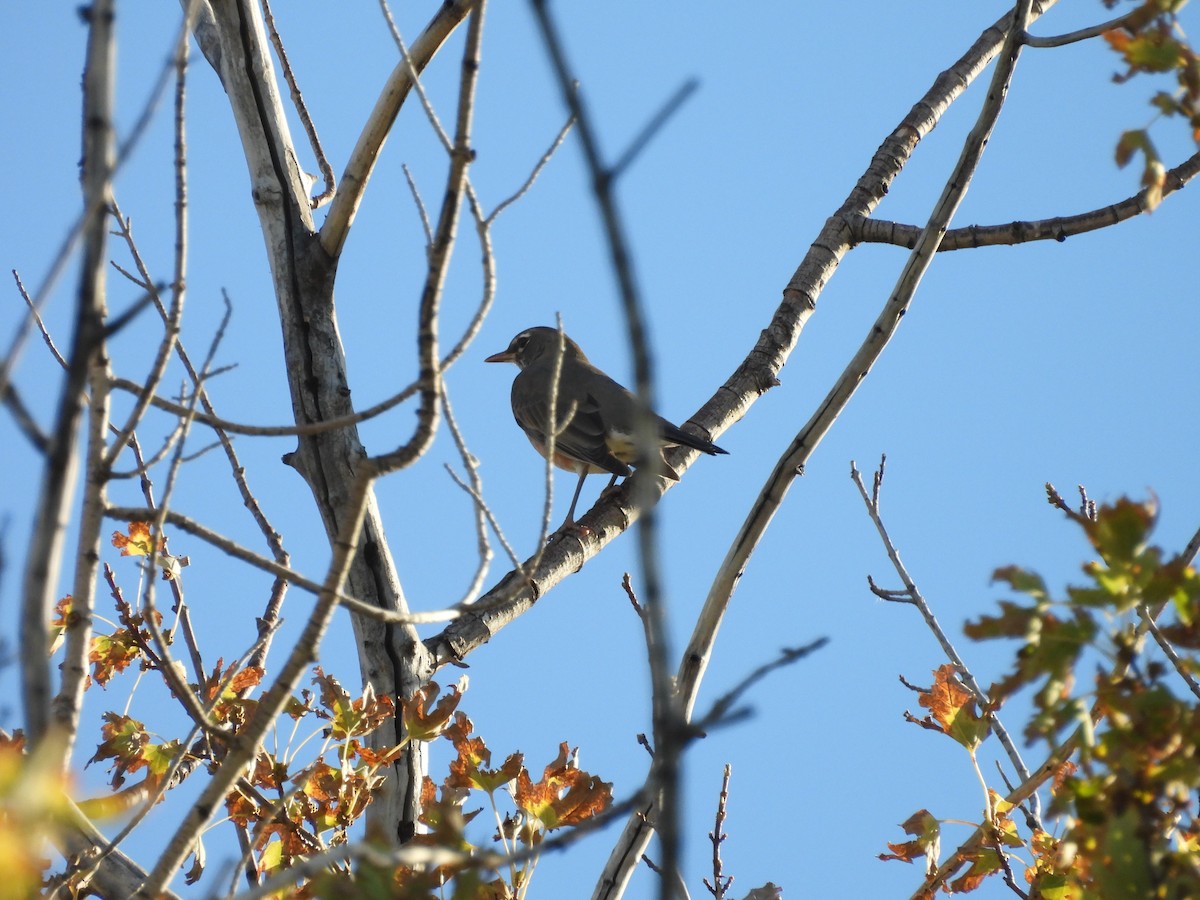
[504, 356]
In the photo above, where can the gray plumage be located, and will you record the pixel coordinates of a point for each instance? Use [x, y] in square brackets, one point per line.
[598, 436]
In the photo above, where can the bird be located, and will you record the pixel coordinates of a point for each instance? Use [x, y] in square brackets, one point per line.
[600, 415]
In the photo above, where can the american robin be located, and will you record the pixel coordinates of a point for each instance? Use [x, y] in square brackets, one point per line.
[596, 417]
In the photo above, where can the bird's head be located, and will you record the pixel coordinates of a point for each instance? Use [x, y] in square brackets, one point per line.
[537, 343]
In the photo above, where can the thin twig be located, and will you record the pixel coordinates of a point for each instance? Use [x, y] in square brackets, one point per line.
[871, 230]
[36, 316]
[420, 204]
[913, 595]
[720, 884]
[534, 173]
[440, 252]
[653, 127]
[415, 76]
[159, 656]
[668, 716]
[24, 419]
[482, 507]
[375, 131]
[236, 550]
[722, 707]
[306, 120]
[482, 517]
[1181, 667]
[1082, 34]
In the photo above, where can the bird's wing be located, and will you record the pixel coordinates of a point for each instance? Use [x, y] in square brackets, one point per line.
[582, 438]
[681, 438]
[620, 407]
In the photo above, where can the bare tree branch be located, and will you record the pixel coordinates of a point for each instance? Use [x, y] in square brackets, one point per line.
[310, 128]
[695, 658]
[1083, 34]
[61, 460]
[914, 594]
[668, 718]
[1058, 228]
[370, 142]
[440, 251]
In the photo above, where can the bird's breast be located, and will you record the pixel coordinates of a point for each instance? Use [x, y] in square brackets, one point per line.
[563, 460]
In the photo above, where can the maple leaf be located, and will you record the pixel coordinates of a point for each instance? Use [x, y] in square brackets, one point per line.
[269, 771]
[460, 730]
[373, 759]
[566, 795]
[444, 815]
[58, 625]
[231, 708]
[424, 724]
[985, 861]
[241, 809]
[954, 708]
[111, 654]
[470, 767]
[299, 707]
[137, 542]
[125, 738]
[927, 832]
[348, 717]
[249, 677]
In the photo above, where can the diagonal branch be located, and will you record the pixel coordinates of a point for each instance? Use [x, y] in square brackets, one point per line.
[439, 255]
[375, 132]
[61, 459]
[667, 717]
[633, 840]
[1059, 228]
[913, 593]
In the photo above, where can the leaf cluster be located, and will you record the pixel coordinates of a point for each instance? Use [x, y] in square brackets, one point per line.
[1125, 805]
[1151, 41]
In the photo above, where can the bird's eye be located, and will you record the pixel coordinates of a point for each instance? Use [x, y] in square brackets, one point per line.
[521, 341]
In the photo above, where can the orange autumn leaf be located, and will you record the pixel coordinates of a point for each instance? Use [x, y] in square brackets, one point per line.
[61, 610]
[247, 678]
[470, 768]
[58, 625]
[566, 795]
[984, 861]
[348, 717]
[927, 832]
[111, 654]
[424, 721]
[954, 708]
[125, 740]
[137, 541]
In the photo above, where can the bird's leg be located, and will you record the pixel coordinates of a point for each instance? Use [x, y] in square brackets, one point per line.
[608, 487]
[570, 519]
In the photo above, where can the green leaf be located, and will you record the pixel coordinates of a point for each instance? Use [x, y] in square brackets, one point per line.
[1119, 531]
[1013, 622]
[1155, 51]
[1023, 581]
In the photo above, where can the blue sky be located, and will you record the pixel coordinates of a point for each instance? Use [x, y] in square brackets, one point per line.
[1072, 363]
